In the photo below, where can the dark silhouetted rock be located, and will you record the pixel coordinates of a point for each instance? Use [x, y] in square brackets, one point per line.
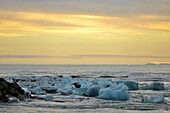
[10, 90]
[77, 85]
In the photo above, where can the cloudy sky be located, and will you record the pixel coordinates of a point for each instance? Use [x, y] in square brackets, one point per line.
[84, 31]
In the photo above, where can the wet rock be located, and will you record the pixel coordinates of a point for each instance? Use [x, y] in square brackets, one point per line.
[77, 85]
[11, 90]
[13, 99]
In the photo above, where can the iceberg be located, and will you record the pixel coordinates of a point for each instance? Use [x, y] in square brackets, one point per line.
[105, 83]
[67, 90]
[93, 91]
[114, 93]
[80, 91]
[159, 98]
[155, 86]
[37, 90]
[130, 84]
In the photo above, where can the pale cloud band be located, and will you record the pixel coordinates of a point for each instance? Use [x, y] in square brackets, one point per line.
[80, 56]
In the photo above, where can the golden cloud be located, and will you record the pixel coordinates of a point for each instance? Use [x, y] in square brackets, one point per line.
[79, 24]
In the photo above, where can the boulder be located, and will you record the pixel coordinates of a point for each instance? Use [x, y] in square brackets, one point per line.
[11, 91]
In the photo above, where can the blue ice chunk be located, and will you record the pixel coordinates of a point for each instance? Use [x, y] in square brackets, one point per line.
[105, 83]
[130, 84]
[93, 91]
[159, 98]
[67, 90]
[85, 84]
[37, 90]
[121, 87]
[26, 90]
[48, 97]
[114, 93]
[80, 91]
[155, 86]
[109, 94]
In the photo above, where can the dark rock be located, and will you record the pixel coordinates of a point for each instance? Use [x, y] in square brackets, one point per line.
[75, 76]
[52, 91]
[10, 90]
[77, 85]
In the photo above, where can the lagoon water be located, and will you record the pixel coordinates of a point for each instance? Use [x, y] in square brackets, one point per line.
[143, 74]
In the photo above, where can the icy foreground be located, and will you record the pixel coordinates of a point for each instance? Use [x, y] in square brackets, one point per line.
[100, 88]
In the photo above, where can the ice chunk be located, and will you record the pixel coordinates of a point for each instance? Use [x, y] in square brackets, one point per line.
[80, 91]
[67, 90]
[159, 98]
[13, 99]
[121, 87]
[27, 91]
[155, 86]
[37, 90]
[48, 97]
[111, 94]
[93, 91]
[49, 88]
[130, 84]
[85, 84]
[105, 83]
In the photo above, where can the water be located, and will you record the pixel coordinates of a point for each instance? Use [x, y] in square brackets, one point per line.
[143, 74]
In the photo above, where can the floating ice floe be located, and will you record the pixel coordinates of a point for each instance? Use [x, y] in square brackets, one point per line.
[159, 98]
[37, 90]
[114, 93]
[155, 86]
[130, 84]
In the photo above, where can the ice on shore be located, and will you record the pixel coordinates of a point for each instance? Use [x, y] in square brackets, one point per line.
[159, 98]
[115, 92]
[37, 90]
[93, 91]
[130, 84]
[48, 97]
[26, 90]
[67, 90]
[155, 86]
[99, 88]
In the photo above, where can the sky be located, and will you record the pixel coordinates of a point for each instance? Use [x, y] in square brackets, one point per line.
[84, 31]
